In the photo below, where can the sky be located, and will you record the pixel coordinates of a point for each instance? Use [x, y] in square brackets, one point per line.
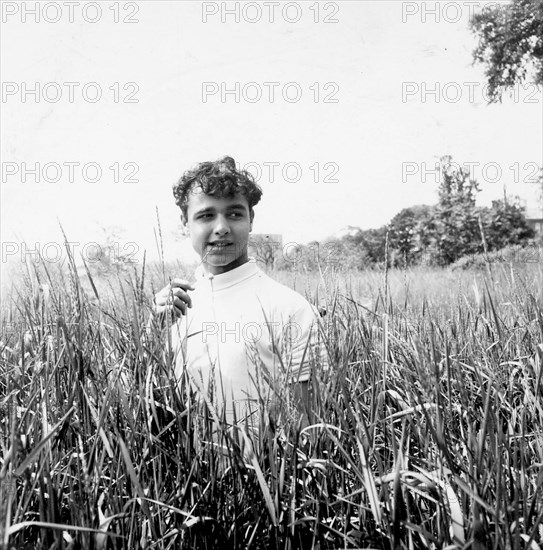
[341, 109]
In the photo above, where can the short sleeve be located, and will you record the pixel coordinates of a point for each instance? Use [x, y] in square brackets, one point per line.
[302, 343]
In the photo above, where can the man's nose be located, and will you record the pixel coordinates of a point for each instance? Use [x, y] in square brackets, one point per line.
[222, 227]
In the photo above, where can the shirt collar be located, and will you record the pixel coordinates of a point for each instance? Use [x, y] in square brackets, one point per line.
[230, 278]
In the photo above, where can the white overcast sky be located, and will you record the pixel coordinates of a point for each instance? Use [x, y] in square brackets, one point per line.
[362, 141]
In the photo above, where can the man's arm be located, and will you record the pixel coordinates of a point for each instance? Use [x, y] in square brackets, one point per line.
[307, 352]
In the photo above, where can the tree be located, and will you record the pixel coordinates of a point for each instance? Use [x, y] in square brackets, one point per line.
[363, 248]
[264, 249]
[505, 224]
[108, 255]
[510, 44]
[453, 229]
[408, 233]
[454, 226]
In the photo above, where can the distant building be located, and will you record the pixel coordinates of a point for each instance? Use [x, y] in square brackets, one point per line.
[534, 218]
[537, 225]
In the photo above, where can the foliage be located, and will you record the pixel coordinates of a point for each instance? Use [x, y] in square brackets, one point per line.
[313, 256]
[434, 235]
[510, 43]
[454, 226]
[424, 430]
[410, 233]
[372, 242]
[505, 224]
[264, 250]
[512, 255]
[110, 255]
[361, 249]
[444, 233]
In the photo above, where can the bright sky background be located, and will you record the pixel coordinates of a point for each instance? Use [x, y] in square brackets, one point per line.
[369, 134]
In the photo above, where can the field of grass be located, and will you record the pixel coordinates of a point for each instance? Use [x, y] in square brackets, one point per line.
[425, 432]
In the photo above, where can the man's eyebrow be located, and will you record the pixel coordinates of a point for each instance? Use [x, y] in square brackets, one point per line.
[237, 206]
[212, 209]
[204, 210]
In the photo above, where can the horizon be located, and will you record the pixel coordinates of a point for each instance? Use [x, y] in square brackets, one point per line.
[357, 144]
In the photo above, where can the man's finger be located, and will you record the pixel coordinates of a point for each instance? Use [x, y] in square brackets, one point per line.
[182, 295]
[181, 283]
[180, 304]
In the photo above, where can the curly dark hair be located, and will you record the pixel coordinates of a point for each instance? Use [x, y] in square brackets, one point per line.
[218, 179]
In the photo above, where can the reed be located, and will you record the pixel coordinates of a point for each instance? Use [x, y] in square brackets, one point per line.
[425, 431]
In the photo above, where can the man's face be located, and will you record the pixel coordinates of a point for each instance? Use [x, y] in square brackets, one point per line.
[219, 229]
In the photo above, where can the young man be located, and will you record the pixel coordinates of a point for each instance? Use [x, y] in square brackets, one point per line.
[239, 335]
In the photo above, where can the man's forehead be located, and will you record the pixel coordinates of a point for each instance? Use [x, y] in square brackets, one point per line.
[198, 200]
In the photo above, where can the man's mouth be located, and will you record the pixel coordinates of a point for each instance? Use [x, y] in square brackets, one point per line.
[219, 245]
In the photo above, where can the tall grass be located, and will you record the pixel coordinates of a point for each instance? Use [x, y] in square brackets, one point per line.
[424, 432]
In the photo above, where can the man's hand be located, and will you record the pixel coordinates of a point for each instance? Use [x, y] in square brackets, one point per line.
[174, 298]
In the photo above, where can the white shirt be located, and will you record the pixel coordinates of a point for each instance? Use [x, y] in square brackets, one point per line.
[244, 334]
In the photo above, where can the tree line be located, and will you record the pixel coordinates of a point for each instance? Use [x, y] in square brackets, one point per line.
[438, 234]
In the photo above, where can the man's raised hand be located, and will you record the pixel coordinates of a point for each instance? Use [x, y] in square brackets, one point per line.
[174, 298]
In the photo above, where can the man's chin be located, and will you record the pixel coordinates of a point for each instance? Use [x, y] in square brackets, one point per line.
[219, 261]
[225, 263]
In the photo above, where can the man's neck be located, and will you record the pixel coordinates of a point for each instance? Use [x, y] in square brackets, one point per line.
[220, 269]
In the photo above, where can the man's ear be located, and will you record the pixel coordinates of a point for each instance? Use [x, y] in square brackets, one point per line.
[184, 226]
[251, 219]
